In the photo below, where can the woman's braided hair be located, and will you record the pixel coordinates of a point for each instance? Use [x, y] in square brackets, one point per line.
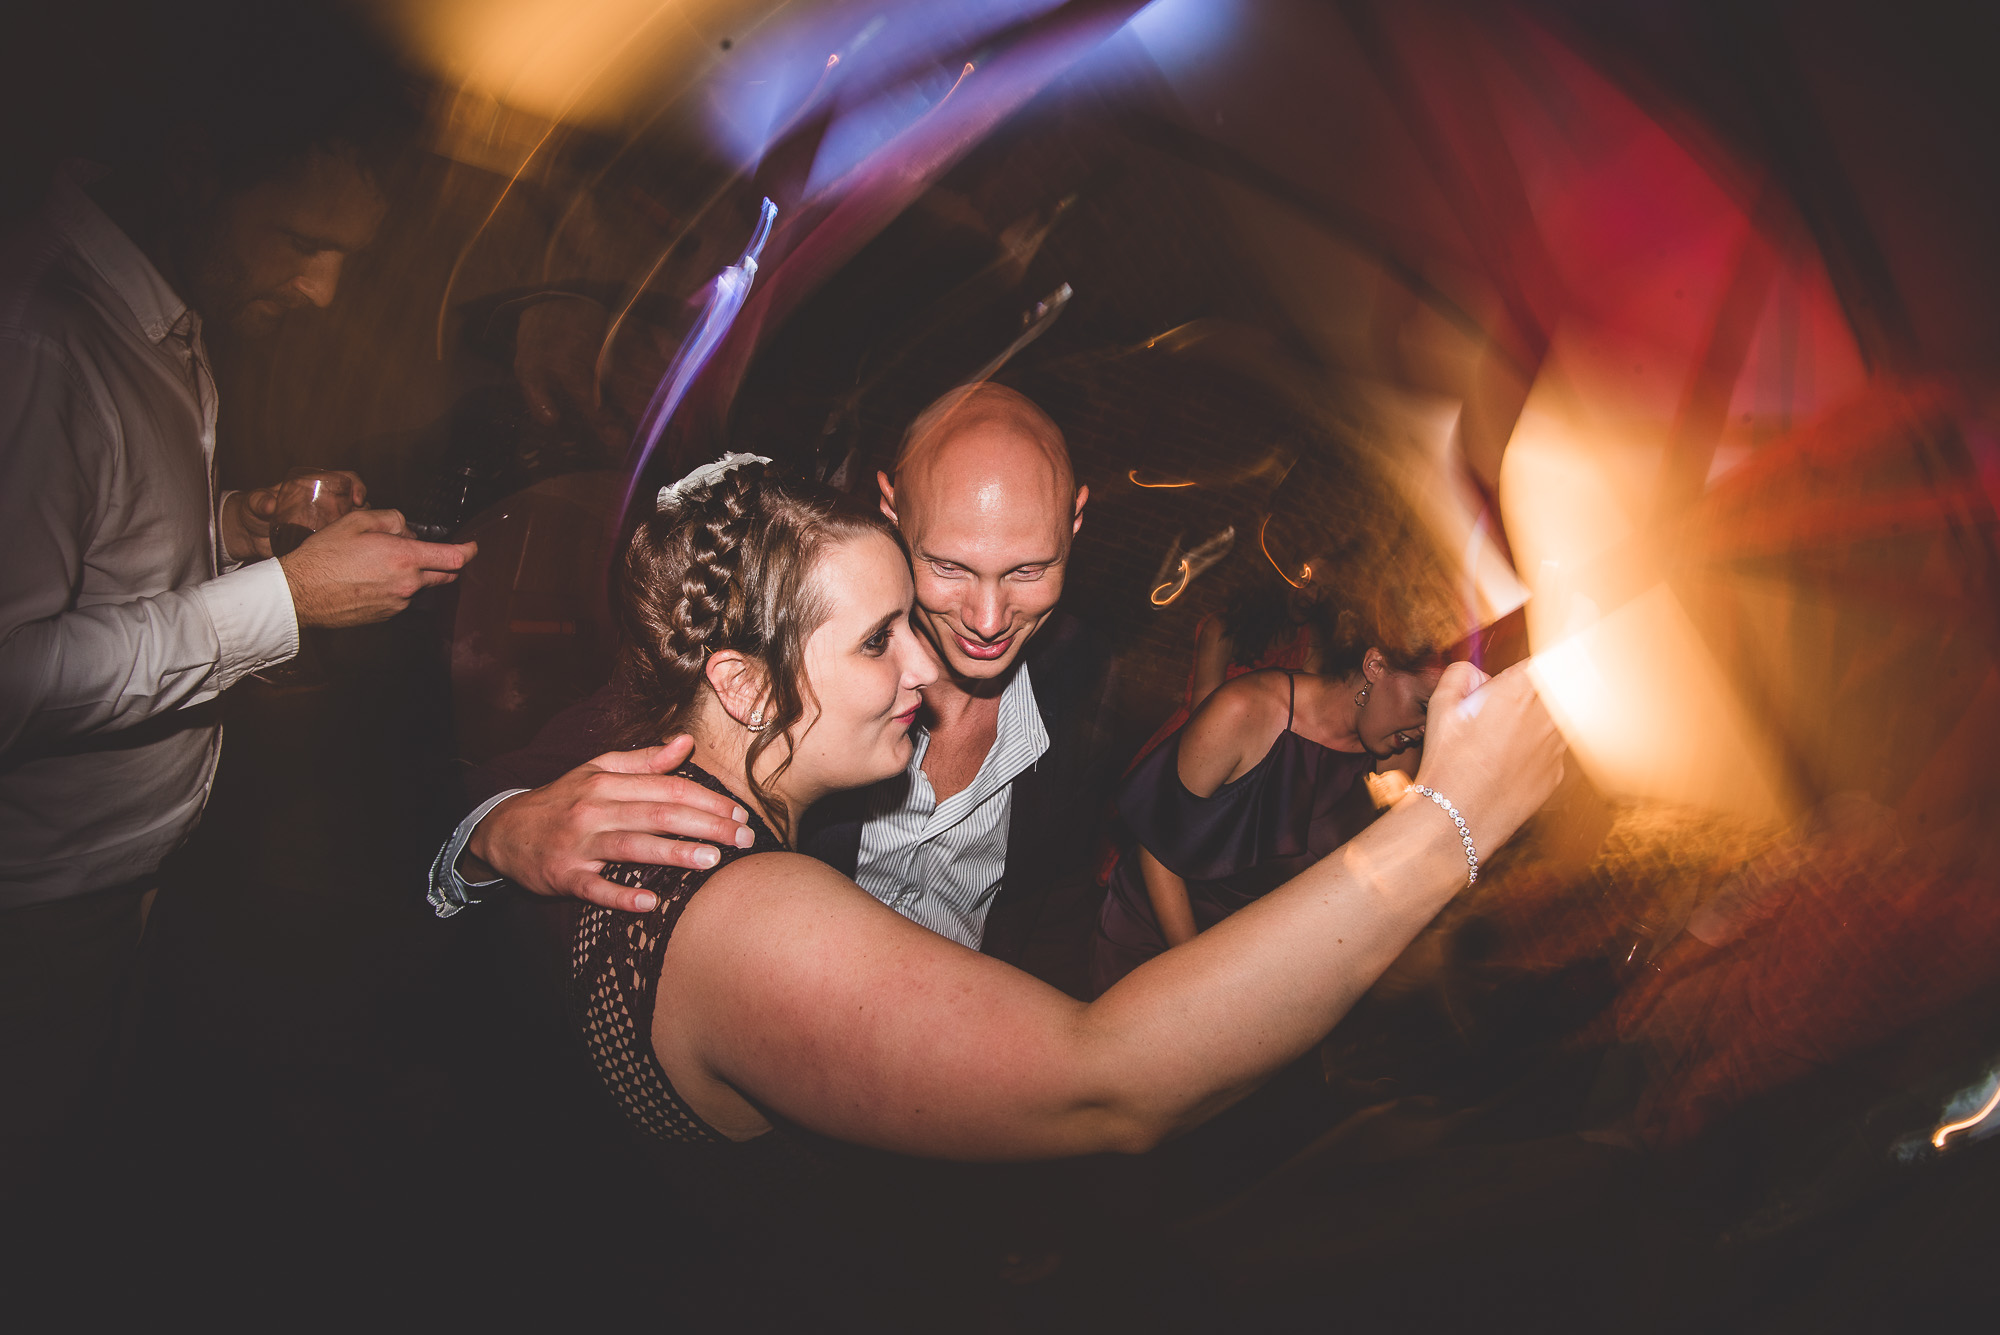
[730, 566]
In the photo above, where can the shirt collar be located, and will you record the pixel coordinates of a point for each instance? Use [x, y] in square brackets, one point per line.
[1020, 716]
[1020, 722]
[156, 307]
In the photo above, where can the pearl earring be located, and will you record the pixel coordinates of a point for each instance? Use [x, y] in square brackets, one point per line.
[756, 723]
[1361, 697]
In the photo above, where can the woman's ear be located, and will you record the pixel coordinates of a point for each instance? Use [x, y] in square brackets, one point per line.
[1373, 665]
[740, 684]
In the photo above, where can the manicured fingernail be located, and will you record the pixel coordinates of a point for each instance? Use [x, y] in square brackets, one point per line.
[745, 837]
[706, 856]
[645, 902]
[738, 814]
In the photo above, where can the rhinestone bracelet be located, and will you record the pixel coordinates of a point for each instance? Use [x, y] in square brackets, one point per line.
[1465, 835]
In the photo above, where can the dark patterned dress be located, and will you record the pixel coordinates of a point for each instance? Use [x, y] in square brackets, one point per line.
[615, 979]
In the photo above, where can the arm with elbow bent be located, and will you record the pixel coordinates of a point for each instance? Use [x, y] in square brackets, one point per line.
[69, 669]
[622, 806]
[1231, 732]
[1168, 894]
[789, 988]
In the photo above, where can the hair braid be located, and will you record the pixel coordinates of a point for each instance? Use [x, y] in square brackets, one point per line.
[710, 612]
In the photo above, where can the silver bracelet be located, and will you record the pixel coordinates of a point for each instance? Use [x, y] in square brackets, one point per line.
[1465, 835]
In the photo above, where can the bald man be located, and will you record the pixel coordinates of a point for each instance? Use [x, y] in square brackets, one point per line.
[996, 806]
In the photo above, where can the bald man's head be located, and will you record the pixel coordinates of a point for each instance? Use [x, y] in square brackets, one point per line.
[984, 493]
[983, 409]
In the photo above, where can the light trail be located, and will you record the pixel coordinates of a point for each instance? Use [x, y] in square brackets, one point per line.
[1155, 486]
[1305, 571]
[1950, 1129]
[583, 86]
[1178, 584]
[694, 220]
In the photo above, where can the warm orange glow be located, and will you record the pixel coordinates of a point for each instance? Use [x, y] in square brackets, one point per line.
[1137, 481]
[514, 64]
[1950, 1129]
[1174, 587]
[573, 60]
[1623, 665]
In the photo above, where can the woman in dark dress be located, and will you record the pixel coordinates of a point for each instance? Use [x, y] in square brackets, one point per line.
[1266, 779]
[771, 999]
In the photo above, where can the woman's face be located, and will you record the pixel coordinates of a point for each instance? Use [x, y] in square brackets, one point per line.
[865, 669]
[1392, 719]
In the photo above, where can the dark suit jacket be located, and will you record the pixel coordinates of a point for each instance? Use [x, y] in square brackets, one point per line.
[1057, 804]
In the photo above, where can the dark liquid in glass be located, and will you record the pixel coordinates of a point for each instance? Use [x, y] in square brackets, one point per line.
[285, 538]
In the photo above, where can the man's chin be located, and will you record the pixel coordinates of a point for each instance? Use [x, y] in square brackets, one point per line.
[968, 668]
[259, 319]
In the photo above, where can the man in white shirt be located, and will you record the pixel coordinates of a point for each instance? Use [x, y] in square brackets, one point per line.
[131, 595]
[998, 798]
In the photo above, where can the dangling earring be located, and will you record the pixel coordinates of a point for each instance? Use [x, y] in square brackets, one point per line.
[1361, 697]
[756, 723]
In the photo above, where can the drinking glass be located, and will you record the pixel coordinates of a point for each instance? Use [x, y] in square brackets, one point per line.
[308, 500]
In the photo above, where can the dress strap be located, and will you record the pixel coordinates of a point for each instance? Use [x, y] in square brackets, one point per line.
[1291, 697]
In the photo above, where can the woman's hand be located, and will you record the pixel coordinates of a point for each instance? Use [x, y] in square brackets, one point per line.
[1492, 749]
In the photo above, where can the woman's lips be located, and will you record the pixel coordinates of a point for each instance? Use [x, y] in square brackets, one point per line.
[909, 716]
[972, 649]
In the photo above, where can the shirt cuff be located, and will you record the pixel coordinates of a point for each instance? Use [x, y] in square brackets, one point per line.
[255, 624]
[450, 892]
[223, 560]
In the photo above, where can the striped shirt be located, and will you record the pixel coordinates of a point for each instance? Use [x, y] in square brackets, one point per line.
[940, 864]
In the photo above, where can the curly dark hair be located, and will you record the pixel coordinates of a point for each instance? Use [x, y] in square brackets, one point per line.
[731, 567]
[1345, 637]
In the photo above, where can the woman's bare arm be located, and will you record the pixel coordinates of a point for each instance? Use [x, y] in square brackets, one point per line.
[1169, 896]
[788, 988]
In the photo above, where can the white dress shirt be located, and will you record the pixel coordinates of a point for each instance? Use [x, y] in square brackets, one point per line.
[114, 617]
[940, 864]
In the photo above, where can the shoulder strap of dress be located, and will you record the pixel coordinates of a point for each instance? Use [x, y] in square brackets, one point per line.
[1291, 696]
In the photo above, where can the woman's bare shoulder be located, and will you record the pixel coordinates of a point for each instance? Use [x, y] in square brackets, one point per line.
[778, 872]
[1233, 729]
[1246, 701]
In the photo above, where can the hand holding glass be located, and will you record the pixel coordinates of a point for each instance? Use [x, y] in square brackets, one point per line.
[307, 501]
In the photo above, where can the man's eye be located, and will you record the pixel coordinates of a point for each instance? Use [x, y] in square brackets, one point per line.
[1031, 572]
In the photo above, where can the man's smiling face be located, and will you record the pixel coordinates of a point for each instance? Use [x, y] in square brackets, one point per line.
[988, 509]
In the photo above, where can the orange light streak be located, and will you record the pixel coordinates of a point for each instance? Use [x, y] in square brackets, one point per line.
[1155, 486]
[1178, 585]
[1950, 1129]
[1305, 571]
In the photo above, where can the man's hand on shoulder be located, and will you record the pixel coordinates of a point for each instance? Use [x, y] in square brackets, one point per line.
[624, 806]
[364, 567]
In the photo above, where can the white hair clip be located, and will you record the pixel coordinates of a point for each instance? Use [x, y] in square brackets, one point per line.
[704, 477]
